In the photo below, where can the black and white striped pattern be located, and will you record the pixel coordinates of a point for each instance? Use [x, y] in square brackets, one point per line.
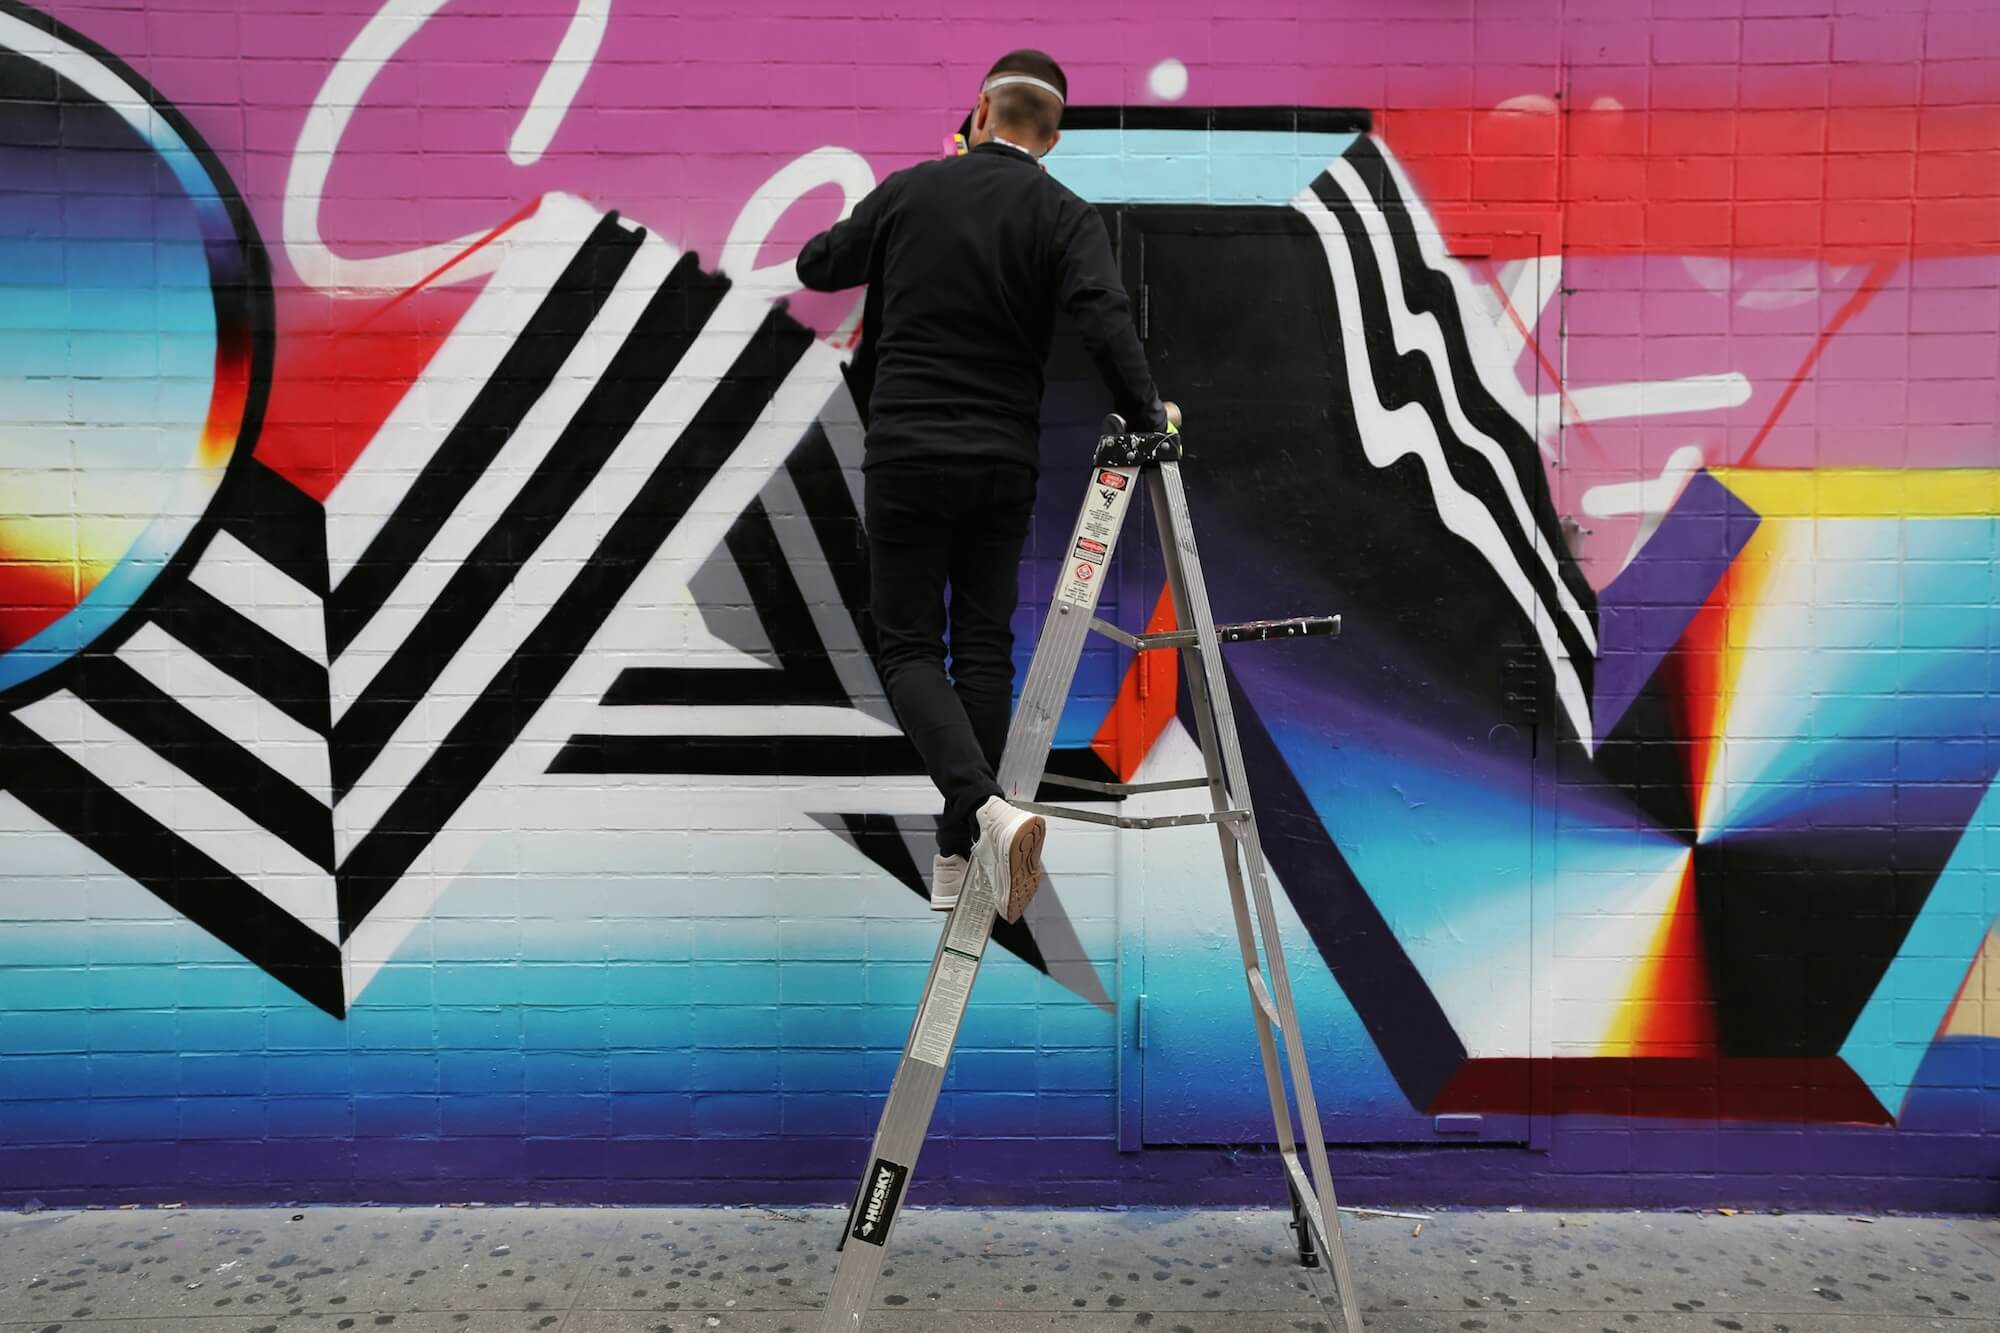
[624, 418]
[1420, 390]
[192, 755]
[281, 742]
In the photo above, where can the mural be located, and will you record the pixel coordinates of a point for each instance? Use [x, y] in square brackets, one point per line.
[440, 754]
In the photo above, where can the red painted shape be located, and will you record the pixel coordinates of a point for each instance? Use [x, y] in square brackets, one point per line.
[1845, 183]
[521, 215]
[1807, 1089]
[1145, 702]
[33, 596]
[335, 385]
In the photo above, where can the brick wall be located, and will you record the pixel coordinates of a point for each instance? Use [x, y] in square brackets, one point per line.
[439, 752]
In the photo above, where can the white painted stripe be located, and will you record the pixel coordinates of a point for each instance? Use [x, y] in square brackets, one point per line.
[736, 720]
[238, 577]
[1424, 334]
[232, 708]
[538, 584]
[197, 815]
[537, 251]
[497, 487]
[1495, 355]
[1652, 398]
[1387, 436]
[560, 82]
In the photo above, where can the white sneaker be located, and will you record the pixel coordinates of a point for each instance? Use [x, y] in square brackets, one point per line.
[1010, 841]
[947, 878]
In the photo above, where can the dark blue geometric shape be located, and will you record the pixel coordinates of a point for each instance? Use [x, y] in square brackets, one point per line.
[1646, 609]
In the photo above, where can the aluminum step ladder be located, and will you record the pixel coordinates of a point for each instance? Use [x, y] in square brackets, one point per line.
[1122, 460]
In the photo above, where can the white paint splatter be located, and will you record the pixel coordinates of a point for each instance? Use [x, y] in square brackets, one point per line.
[1168, 80]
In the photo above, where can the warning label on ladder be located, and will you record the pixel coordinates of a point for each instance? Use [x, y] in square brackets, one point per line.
[1096, 533]
[938, 1023]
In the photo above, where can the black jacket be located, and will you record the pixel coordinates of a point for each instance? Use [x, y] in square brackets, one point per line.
[967, 260]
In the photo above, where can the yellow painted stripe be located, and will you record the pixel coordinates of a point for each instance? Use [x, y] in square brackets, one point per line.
[1866, 492]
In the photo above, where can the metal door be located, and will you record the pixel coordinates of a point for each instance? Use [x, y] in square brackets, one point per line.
[1393, 768]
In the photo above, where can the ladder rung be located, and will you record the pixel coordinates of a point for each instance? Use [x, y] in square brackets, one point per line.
[1250, 631]
[1111, 631]
[1262, 996]
[1298, 627]
[1133, 821]
[1123, 788]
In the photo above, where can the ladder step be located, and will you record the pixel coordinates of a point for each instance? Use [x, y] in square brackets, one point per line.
[1133, 821]
[1123, 788]
[1298, 627]
[1250, 631]
[1262, 995]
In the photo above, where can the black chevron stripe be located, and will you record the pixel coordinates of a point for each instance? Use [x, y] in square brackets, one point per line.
[72, 798]
[156, 720]
[804, 675]
[524, 373]
[279, 522]
[671, 322]
[456, 768]
[292, 682]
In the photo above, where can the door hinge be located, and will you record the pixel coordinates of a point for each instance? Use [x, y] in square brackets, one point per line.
[1521, 681]
[1142, 1021]
[1145, 310]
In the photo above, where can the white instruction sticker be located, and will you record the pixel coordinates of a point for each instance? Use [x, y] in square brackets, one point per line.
[1096, 533]
[972, 921]
[937, 1025]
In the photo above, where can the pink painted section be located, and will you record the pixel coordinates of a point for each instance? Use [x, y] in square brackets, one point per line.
[1788, 149]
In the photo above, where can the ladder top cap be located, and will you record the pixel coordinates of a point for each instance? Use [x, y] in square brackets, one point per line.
[1118, 447]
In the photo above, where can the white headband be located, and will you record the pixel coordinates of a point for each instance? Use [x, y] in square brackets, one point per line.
[1002, 80]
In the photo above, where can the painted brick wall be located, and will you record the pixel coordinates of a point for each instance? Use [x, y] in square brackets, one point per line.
[440, 756]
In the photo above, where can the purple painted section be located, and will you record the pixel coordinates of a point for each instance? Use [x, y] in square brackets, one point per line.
[1593, 1161]
[1642, 615]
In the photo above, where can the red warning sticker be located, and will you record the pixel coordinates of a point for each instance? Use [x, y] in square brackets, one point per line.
[1093, 551]
[1086, 572]
[1115, 480]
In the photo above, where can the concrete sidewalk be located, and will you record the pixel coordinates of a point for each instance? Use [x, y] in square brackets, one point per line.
[763, 1270]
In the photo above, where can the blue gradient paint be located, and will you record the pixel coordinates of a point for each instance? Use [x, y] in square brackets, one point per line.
[1892, 1037]
[129, 284]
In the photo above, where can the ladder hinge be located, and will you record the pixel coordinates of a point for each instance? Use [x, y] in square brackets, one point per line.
[1142, 1021]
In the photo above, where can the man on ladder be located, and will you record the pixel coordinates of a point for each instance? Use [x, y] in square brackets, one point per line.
[966, 262]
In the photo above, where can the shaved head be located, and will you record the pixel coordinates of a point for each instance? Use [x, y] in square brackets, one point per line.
[1026, 107]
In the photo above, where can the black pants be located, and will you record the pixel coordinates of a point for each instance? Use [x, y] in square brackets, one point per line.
[957, 524]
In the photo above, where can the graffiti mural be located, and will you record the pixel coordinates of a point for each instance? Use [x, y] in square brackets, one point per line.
[440, 750]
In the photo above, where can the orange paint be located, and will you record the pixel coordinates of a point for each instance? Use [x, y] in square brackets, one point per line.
[1145, 702]
[35, 595]
[1669, 1009]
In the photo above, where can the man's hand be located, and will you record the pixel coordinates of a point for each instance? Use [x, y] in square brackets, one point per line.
[1173, 415]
